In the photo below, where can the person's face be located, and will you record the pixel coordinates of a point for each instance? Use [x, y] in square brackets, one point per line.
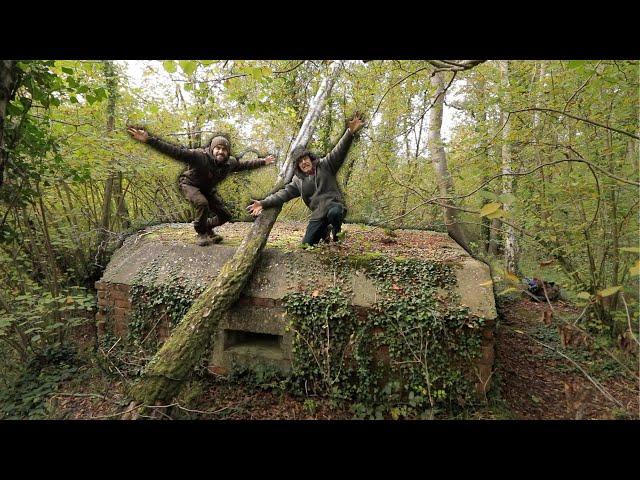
[306, 165]
[220, 153]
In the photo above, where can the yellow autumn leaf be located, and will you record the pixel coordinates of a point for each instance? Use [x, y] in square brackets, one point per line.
[635, 270]
[500, 213]
[485, 284]
[489, 208]
[607, 292]
[511, 277]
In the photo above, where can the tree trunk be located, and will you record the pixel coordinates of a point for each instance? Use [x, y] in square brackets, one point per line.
[510, 240]
[414, 165]
[7, 74]
[309, 124]
[485, 230]
[175, 361]
[113, 184]
[439, 157]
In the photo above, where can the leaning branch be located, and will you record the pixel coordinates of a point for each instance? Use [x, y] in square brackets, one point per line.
[586, 120]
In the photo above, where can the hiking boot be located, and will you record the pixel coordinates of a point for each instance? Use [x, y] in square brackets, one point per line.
[327, 235]
[203, 240]
[214, 237]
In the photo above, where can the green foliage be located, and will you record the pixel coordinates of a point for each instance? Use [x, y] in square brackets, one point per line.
[581, 224]
[406, 359]
[153, 303]
[27, 396]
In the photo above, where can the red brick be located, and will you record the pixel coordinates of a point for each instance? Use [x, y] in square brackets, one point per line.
[105, 305]
[121, 288]
[119, 327]
[487, 334]
[488, 355]
[123, 303]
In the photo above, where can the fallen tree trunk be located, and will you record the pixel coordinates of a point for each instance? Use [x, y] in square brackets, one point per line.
[179, 355]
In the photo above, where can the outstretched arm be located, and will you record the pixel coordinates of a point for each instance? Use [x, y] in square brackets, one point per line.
[191, 156]
[336, 157]
[274, 200]
[251, 164]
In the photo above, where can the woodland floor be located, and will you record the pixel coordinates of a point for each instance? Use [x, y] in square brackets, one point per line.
[530, 382]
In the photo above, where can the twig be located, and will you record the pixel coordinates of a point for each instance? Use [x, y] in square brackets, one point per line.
[586, 120]
[628, 319]
[592, 380]
[65, 394]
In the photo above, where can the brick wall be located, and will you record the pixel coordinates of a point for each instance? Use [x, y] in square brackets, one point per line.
[114, 306]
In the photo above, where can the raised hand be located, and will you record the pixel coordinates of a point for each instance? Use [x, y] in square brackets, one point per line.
[255, 208]
[356, 123]
[270, 160]
[139, 134]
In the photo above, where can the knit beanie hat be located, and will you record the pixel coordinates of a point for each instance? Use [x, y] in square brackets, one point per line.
[220, 140]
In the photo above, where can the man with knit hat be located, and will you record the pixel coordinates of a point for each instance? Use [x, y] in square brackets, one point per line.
[208, 166]
[315, 181]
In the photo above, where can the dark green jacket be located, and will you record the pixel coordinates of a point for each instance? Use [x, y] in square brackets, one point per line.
[318, 191]
[204, 172]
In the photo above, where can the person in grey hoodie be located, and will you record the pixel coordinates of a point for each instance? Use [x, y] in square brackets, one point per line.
[315, 181]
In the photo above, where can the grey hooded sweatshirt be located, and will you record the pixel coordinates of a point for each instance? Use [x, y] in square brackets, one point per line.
[320, 190]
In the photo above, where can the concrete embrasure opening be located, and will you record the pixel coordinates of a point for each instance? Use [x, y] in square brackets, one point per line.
[253, 343]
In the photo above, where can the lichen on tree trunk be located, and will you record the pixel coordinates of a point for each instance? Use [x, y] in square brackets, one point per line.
[190, 339]
[179, 355]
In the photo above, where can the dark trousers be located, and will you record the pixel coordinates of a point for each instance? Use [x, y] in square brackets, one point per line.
[205, 205]
[317, 229]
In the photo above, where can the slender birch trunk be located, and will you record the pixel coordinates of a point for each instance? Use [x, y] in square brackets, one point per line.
[439, 159]
[510, 240]
[176, 359]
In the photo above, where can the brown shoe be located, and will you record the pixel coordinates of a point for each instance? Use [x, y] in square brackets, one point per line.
[213, 236]
[203, 240]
